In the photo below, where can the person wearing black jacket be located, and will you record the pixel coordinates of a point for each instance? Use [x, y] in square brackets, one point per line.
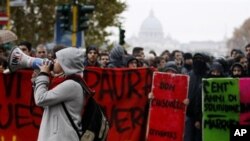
[194, 112]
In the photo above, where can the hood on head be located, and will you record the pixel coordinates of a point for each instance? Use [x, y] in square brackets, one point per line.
[128, 58]
[71, 59]
[216, 66]
[117, 53]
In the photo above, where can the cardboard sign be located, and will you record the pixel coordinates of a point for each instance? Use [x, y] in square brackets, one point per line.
[167, 110]
[221, 107]
[245, 101]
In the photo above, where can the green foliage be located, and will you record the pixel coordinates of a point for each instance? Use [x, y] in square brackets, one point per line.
[35, 22]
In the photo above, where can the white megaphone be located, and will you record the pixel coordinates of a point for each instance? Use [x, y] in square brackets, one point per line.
[19, 60]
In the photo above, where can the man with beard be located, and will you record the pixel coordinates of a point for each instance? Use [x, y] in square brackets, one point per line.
[194, 113]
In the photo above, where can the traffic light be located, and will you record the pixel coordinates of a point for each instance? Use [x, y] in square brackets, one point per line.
[83, 11]
[122, 36]
[64, 15]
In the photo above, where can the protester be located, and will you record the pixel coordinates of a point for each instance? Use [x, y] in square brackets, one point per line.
[194, 113]
[188, 63]
[160, 63]
[138, 53]
[104, 60]
[55, 125]
[131, 62]
[166, 55]
[41, 51]
[26, 47]
[237, 71]
[92, 54]
[117, 55]
[216, 70]
[170, 67]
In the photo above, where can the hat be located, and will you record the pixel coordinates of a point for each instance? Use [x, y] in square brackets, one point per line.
[92, 47]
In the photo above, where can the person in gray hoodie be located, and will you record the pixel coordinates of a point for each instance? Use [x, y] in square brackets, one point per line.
[55, 125]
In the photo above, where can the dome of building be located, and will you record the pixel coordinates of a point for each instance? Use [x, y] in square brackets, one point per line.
[151, 28]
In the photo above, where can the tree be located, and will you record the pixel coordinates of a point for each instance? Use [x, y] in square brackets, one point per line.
[35, 22]
[241, 36]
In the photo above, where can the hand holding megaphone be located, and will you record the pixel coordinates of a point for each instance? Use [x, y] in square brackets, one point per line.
[46, 67]
[19, 60]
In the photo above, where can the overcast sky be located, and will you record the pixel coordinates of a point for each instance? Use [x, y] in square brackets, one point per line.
[188, 20]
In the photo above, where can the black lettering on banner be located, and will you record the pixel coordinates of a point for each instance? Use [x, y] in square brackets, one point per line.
[222, 107]
[217, 123]
[132, 84]
[220, 87]
[109, 85]
[123, 122]
[166, 134]
[167, 86]
[205, 86]
[105, 79]
[17, 113]
[8, 84]
[136, 116]
[216, 87]
[168, 103]
[10, 116]
[21, 112]
[232, 98]
[214, 98]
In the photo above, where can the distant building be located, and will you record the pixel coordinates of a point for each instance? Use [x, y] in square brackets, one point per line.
[151, 37]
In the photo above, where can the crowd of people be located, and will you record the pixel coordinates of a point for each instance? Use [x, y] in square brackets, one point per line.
[197, 65]
[235, 64]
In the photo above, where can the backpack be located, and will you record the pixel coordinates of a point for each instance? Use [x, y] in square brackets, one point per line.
[95, 125]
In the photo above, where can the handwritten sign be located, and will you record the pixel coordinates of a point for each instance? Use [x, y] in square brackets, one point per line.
[221, 107]
[167, 111]
[123, 93]
[20, 118]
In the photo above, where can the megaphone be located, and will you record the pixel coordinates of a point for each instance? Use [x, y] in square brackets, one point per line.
[19, 60]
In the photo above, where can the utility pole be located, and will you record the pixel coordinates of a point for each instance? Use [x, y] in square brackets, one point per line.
[8, 13]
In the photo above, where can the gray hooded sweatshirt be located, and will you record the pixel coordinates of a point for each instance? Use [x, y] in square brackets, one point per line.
[55, 125]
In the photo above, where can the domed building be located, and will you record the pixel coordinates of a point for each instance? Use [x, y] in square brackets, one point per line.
[151, 36]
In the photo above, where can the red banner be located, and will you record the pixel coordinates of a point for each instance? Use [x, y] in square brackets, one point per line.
[167, 110]
[121, 92]
[19, 117]
[124, 95]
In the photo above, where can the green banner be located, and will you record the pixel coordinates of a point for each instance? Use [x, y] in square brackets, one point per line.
[221, 107]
